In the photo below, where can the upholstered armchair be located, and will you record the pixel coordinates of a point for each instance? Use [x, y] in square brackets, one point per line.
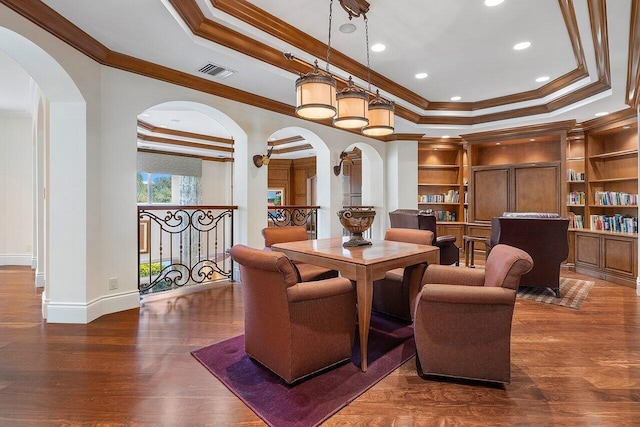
[293, 328]
[308, 272]
[414, 218]
[463, 317]
[395, 295]
[544, 236]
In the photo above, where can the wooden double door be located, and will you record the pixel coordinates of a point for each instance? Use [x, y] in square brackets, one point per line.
[515, 188]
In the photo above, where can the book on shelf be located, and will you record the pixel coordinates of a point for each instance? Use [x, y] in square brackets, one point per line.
[618, 222]
[575, 198]
[574, 176]
[615, 198]
[441, 215]
[576, 220]
[451, 196]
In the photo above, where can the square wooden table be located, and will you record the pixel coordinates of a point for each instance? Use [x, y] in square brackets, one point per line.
[362, 264]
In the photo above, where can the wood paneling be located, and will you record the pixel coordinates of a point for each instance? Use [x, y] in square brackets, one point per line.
[620, 255]
[490, 193]
[536, 189]
[588, 250]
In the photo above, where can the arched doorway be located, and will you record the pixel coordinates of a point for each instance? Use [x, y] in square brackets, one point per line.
[66, 177]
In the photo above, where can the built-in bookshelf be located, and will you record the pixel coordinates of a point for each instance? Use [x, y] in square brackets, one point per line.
[440, 176]
[576, 179]
[612, 178]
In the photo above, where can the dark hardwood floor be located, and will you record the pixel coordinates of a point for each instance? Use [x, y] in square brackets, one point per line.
[134, 368]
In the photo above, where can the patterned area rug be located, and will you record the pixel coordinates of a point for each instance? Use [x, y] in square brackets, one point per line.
[573, 292]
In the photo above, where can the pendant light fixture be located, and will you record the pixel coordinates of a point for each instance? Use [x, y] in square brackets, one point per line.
[381, 117]
[316, 95]
[316, 91]
[351, 108]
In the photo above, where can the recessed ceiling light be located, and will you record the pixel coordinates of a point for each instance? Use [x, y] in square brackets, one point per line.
[378, 47]
[497, 143]
[421, 75]
[521, 45]
[163, 126]
[347, 28]
[542, 79]
[446, 136]
[492, 3]
[456, 98]
[602, 113]
[532, 139]
[626, 127]
[144, 115]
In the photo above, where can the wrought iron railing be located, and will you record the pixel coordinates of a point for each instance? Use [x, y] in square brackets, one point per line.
[306, 216]
[183, 245]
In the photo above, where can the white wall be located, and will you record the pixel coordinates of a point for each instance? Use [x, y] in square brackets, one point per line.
[216, 183]
[16, 190]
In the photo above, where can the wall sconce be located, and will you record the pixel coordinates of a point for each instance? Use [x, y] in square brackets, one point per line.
[344, 158]
[259, 160]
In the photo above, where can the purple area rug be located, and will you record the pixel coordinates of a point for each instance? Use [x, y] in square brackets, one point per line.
[315, 399]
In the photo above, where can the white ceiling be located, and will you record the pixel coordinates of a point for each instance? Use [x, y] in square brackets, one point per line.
[464, 46]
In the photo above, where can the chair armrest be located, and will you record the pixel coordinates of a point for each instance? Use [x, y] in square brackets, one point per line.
[319, 289]
[436, 273]
[460, 294]
[445, 239]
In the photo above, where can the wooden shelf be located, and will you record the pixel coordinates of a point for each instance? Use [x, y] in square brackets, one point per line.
[575, 206]
[613, 206]
[576, 182]
[575, 159]
[629, 178]
[438, 167]
[436, 203]
[622, 153]
[430, 184]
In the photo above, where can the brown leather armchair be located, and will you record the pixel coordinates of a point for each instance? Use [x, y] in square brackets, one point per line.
[395, 295]
[293, 328]
[463, 317]
[414, 218]
[308, 272]
[541, 235]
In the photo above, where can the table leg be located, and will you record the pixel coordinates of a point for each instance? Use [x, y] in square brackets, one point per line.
[364, 289]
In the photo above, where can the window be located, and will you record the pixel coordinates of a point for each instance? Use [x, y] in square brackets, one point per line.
[154, 188]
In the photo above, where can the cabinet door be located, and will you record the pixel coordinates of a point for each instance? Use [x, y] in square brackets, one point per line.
[536, 189]
[620, 255]
[588, 250]
[490, 193]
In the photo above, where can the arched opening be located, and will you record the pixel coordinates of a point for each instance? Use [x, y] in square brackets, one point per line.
[185, 159]
[65, 180]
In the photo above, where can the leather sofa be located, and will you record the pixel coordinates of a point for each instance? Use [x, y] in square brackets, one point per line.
[414, 218]
[544, 236]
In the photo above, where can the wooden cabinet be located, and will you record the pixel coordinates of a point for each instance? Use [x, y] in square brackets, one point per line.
[440, 180]
[517, 170]
[608, 256]
[453, 229]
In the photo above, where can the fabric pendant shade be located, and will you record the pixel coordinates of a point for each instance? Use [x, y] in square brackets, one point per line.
[353, 106]
[381, 117]
[316, 95]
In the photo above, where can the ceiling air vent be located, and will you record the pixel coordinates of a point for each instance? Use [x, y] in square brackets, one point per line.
[215, 70]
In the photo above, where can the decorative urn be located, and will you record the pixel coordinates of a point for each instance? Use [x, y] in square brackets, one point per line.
[356, 220]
